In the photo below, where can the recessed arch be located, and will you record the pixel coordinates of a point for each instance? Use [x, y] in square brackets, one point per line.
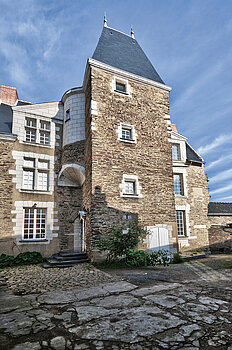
[74, 173]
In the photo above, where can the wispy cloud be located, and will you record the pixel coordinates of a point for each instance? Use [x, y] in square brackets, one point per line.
[221, 160]
[222, 189]
[223, 175]
[217, 142]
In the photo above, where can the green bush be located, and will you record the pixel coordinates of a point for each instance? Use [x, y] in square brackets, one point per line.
[121, 240]
[160, 257]
[137, 258]
[6, 260]
[26, 258]
[177, 259]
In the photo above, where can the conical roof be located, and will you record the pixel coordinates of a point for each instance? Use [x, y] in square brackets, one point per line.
[121, 51]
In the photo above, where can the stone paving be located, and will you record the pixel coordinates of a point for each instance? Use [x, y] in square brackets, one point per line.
[192, 314]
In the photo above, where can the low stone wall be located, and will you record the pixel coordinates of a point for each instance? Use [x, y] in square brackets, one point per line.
[219, 240]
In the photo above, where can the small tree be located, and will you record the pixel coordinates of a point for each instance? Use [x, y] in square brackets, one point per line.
[121, 240]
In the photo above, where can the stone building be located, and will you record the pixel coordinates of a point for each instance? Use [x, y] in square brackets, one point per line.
[105, 155]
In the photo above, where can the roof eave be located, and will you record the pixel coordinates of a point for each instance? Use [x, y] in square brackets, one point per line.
[108, 68]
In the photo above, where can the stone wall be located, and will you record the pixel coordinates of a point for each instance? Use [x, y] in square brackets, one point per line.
[219, 240]
[197, 200]
[6, 190]
[149, 159]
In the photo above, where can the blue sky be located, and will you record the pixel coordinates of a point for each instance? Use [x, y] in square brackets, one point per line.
[44, 46]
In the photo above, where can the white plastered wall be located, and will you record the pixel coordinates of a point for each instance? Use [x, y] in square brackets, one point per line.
[49, 112]
[74, 128]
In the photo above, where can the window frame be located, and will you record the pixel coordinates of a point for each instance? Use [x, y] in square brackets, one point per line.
[179, 152]
[36, 219]
[123, 126]
[180, 184]
[132, 179]
[38, 130]
[67, 112]
[184, 226]
[36, 169]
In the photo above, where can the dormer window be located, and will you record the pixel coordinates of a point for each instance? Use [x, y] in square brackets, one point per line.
[120, 87]
[176, 152]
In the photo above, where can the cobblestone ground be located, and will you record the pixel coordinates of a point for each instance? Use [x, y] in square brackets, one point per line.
[194, 313]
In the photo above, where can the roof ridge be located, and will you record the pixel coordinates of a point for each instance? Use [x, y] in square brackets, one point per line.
[116, 30]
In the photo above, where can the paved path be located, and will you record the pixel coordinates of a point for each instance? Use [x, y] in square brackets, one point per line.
[194, 314]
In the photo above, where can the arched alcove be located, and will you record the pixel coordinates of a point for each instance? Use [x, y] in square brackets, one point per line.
[71, 175]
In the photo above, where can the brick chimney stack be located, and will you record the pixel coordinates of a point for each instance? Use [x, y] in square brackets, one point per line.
[173, 126]
[8, 95]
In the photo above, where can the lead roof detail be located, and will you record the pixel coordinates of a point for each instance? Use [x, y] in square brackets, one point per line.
[121, 51]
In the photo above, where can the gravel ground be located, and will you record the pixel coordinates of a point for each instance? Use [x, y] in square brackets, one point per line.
[36, 279]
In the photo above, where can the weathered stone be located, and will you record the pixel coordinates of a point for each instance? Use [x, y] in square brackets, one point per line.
[27, 346]
[58, 343]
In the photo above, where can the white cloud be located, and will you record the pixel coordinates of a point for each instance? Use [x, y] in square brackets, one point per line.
[222, 189]
[218, 141]
[223, 175]
[220, 160]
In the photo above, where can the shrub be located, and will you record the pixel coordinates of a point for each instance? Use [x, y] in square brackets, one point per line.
[160, 257]
[26, 258]
[137, 258]
[121, 240]
[6, 260]
[177, 259]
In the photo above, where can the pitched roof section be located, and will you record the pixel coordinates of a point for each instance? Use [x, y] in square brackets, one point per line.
[191, 155]
[6, 117]
[220, 208]
[121, 51]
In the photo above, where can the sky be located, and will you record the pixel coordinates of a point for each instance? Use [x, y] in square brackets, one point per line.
[45, 44]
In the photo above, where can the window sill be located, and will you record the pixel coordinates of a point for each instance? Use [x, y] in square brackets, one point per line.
[180, 196]
[33, 240]
[121, 93]
[36, 144]
[35, 191]
[127, 141]
[124, 195]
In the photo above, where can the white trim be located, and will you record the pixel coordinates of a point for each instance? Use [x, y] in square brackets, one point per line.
[186, 209]
[181, 170]
[133, 133]
[131, 76]
[118, 79]
[138, 188]
[8, 137]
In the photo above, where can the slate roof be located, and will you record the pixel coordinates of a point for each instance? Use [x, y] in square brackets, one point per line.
[192, 156]
[6, 116]
[219, 208]
[121, 51]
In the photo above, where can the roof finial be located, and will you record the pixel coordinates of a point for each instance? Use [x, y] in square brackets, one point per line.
[105, 20]
[132, 33]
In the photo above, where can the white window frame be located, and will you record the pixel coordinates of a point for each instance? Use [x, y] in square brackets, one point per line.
[37, 212]
[36, 169]
[42, 134]
[130, 127]
[180, 184]
[137, 188]
[183, 224]
[182, 170]
[186, 210]
[179, 152]
[122, 81]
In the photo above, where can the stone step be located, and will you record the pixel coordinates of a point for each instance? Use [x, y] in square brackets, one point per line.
[66, 253]
[70, 257]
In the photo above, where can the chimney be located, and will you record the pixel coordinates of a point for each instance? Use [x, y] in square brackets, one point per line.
[8, 95]
[173, 127]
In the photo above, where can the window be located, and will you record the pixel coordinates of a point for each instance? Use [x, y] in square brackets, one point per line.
[37, 131]
[175, 152]
[130, 186]
[126, 133]
[67, 115]
[180, 220]
[178, 184]
[121, 87]
[35, 174]
[34, 223]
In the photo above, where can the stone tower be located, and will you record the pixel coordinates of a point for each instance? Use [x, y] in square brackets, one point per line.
[128, 164]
